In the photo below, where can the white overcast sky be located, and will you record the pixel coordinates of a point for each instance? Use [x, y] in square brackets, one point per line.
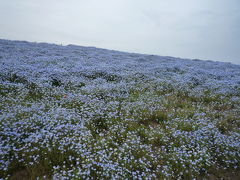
[203, 29]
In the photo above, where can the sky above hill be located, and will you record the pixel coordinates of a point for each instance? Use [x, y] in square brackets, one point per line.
[202, 29]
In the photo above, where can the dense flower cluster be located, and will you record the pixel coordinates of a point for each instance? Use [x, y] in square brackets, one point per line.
[81, 112]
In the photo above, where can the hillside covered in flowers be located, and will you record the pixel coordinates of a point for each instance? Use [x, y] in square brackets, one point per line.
[72, 112]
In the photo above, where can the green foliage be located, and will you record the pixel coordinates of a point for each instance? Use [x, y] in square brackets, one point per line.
[56, 82]
[185, 126]
[34, 93]
[14, 78]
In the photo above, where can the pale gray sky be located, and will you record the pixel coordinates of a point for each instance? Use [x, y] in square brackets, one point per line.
[203, 29]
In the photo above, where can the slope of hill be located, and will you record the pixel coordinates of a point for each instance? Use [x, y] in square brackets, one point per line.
[71, 112]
